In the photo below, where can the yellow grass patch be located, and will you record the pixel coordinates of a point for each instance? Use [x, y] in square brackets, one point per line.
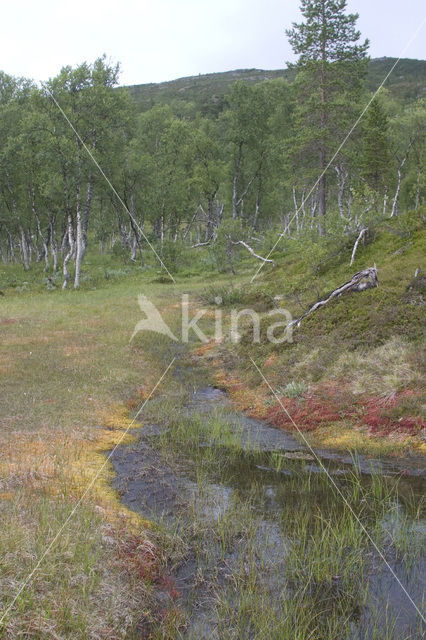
[340, 436]
[58, 463]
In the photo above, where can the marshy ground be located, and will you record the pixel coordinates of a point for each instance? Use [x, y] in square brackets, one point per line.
[209, 523]
[260, 542]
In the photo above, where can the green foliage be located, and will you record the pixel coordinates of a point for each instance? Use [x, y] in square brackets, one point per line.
[232, 295]
[171, 253]
[329, 83]
[294, 389]
[187, 175]
[376, 156]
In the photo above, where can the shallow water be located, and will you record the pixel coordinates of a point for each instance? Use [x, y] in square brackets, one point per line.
[267, 480]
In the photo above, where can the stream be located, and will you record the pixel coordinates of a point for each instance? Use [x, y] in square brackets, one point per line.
[237, 496]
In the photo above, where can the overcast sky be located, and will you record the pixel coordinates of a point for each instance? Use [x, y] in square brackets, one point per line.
[157, 40]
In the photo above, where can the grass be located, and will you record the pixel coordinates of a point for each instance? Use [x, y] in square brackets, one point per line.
[69, 378]
[70, 381]
[314, 579]
[81, 589]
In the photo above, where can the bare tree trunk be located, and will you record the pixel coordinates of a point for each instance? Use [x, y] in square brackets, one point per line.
[235, 182]
[188, 228]
[322, 199]
[244, 244]
[87, 204]
[135, 239]
[398, 189]
[30, 244]
[220, 209]
[239, 201]
[302, 205]
[398, 185]
[45, 253]
[257, 205]
[210, 218]
[53, 249]
[12, 247]
[162, 228]
[314, 209]
[341, 183]
[417, 201]
[24, 248]
[64, 240]
[78, 239]
[229, 256]
[385, 201]
[133, 248]
[322, 185]
[296, 208]
[361, 234]
[82, 221]
[70, 252]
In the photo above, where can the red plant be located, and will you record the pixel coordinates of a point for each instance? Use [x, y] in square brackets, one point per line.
[383, 415]
[330, 402]
[308, 413]
[137, 555]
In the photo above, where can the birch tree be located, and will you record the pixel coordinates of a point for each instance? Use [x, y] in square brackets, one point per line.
[95, 109]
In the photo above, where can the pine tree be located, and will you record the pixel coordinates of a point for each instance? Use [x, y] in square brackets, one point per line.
[376, 157]
[331, 71]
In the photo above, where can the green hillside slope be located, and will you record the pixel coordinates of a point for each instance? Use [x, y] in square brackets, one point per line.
[352, 374]
[407, 81]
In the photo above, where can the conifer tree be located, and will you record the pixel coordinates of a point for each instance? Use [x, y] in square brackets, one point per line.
[331, 71]
[376, 157]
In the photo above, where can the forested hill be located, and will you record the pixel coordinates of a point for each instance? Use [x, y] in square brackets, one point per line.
[407, 81]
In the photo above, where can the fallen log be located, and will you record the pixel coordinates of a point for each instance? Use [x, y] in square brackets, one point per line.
[361, 281]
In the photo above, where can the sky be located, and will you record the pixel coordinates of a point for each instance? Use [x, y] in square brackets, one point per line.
[159, 40]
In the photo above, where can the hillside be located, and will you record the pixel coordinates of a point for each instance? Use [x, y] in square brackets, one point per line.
[408, 81]
[352, 373]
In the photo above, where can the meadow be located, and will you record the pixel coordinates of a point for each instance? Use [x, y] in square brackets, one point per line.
[71, 383]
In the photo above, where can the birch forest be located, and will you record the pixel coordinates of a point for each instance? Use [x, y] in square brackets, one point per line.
[81, 162]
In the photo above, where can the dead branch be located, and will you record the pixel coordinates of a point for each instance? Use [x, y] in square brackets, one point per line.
[361, 233]
[200, 244]
[361, 281]
[244, 244]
